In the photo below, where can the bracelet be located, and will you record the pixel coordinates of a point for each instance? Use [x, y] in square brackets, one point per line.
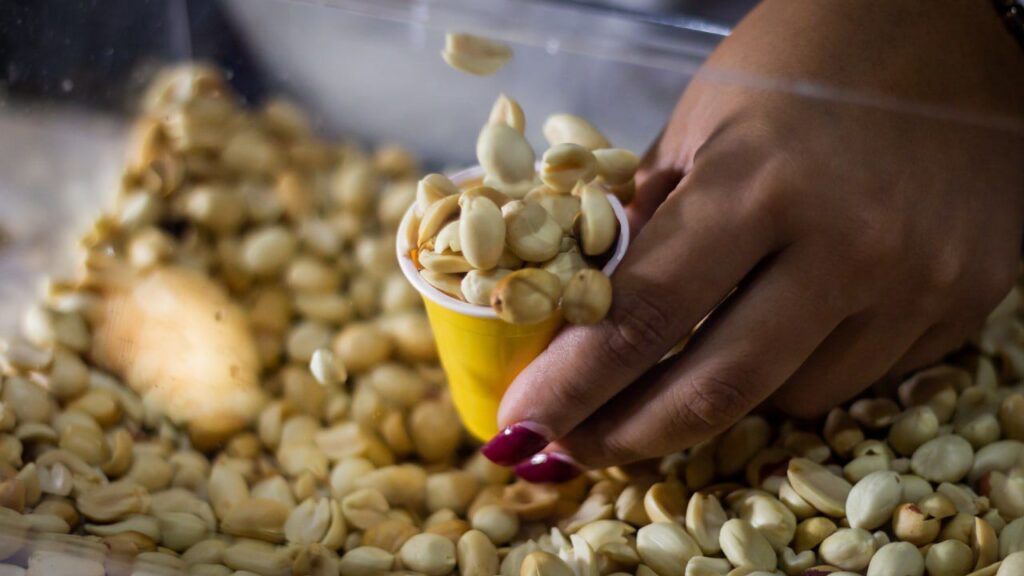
[1012, 13]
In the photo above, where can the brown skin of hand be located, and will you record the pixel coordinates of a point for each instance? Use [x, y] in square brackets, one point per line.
[871, 216]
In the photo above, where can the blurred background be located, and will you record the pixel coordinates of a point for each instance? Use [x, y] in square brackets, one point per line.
[71, 73]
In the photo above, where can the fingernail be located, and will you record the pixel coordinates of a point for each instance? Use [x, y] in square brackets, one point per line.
[515, 443]
[549, 467]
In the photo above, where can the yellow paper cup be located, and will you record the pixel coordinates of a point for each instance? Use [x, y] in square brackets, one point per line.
[480, 353]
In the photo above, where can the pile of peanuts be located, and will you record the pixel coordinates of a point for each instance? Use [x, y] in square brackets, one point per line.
[355, 464]
[525, 241]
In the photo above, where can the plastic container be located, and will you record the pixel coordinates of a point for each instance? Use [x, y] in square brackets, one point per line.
[365, 70]
[480, 353]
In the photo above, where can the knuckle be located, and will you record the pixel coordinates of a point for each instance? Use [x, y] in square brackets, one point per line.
[576, 392]
[876, 245]
[711, 401]
[945, 271]
[638, 329]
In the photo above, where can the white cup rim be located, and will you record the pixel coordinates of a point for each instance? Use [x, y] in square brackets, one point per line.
[440, 298]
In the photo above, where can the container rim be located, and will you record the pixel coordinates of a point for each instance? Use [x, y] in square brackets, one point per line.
[465, 308]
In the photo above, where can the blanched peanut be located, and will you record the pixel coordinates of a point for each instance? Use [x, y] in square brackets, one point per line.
[477, 286]
[430, 189]
[267, 250]
[704, 520]
[497, 522]
[665, 502]
[565, 265]
[562, 207]
[897, 559]
[257, 557]
[499, 198]
[411, 334]
[911, 524]
[743, 545]
[770, 517]
[526, 296]
[476, 555]
[504, 153]
[435, 430]
[562, 128]
[444, 263]
[587, 297]
[507, 111]
[451, 490]
[936, 388]
[389, 535]
[943, 459]
[360, 346]
[811, 532]
[616, 166]
[531, 233]
[364, 508]
[1011, 416]
[481, 231]
[874, 413]
[842, 432]
[326, 368]
[848, 548]
[542, 563]
[819, 487]
[403, 485]
[450, 284]
[474, 54]
[430, 554]
[666, 547]
[113, 501]
[366, 561]
[949, 558]
[256, 518]
[597, 225]
[148, 248]
[511, 190]
[565, 165]
[913, 428]
[447, 240]
[435, 217]
[872, 500]
[307, 523]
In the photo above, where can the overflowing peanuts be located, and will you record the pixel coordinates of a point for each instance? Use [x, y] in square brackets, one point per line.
[343, 454]
[526, 241]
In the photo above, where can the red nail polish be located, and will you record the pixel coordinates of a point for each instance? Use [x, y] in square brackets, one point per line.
[515, 444]
[549, 467]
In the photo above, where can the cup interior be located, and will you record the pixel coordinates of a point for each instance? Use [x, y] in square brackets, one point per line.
[412, 274]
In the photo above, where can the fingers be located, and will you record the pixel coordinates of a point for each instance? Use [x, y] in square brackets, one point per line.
[929, 348]
[859, 352]
[749, 348]
[656, 178]
[693, 251]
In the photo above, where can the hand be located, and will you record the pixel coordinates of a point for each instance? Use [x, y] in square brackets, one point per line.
[868, 225]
